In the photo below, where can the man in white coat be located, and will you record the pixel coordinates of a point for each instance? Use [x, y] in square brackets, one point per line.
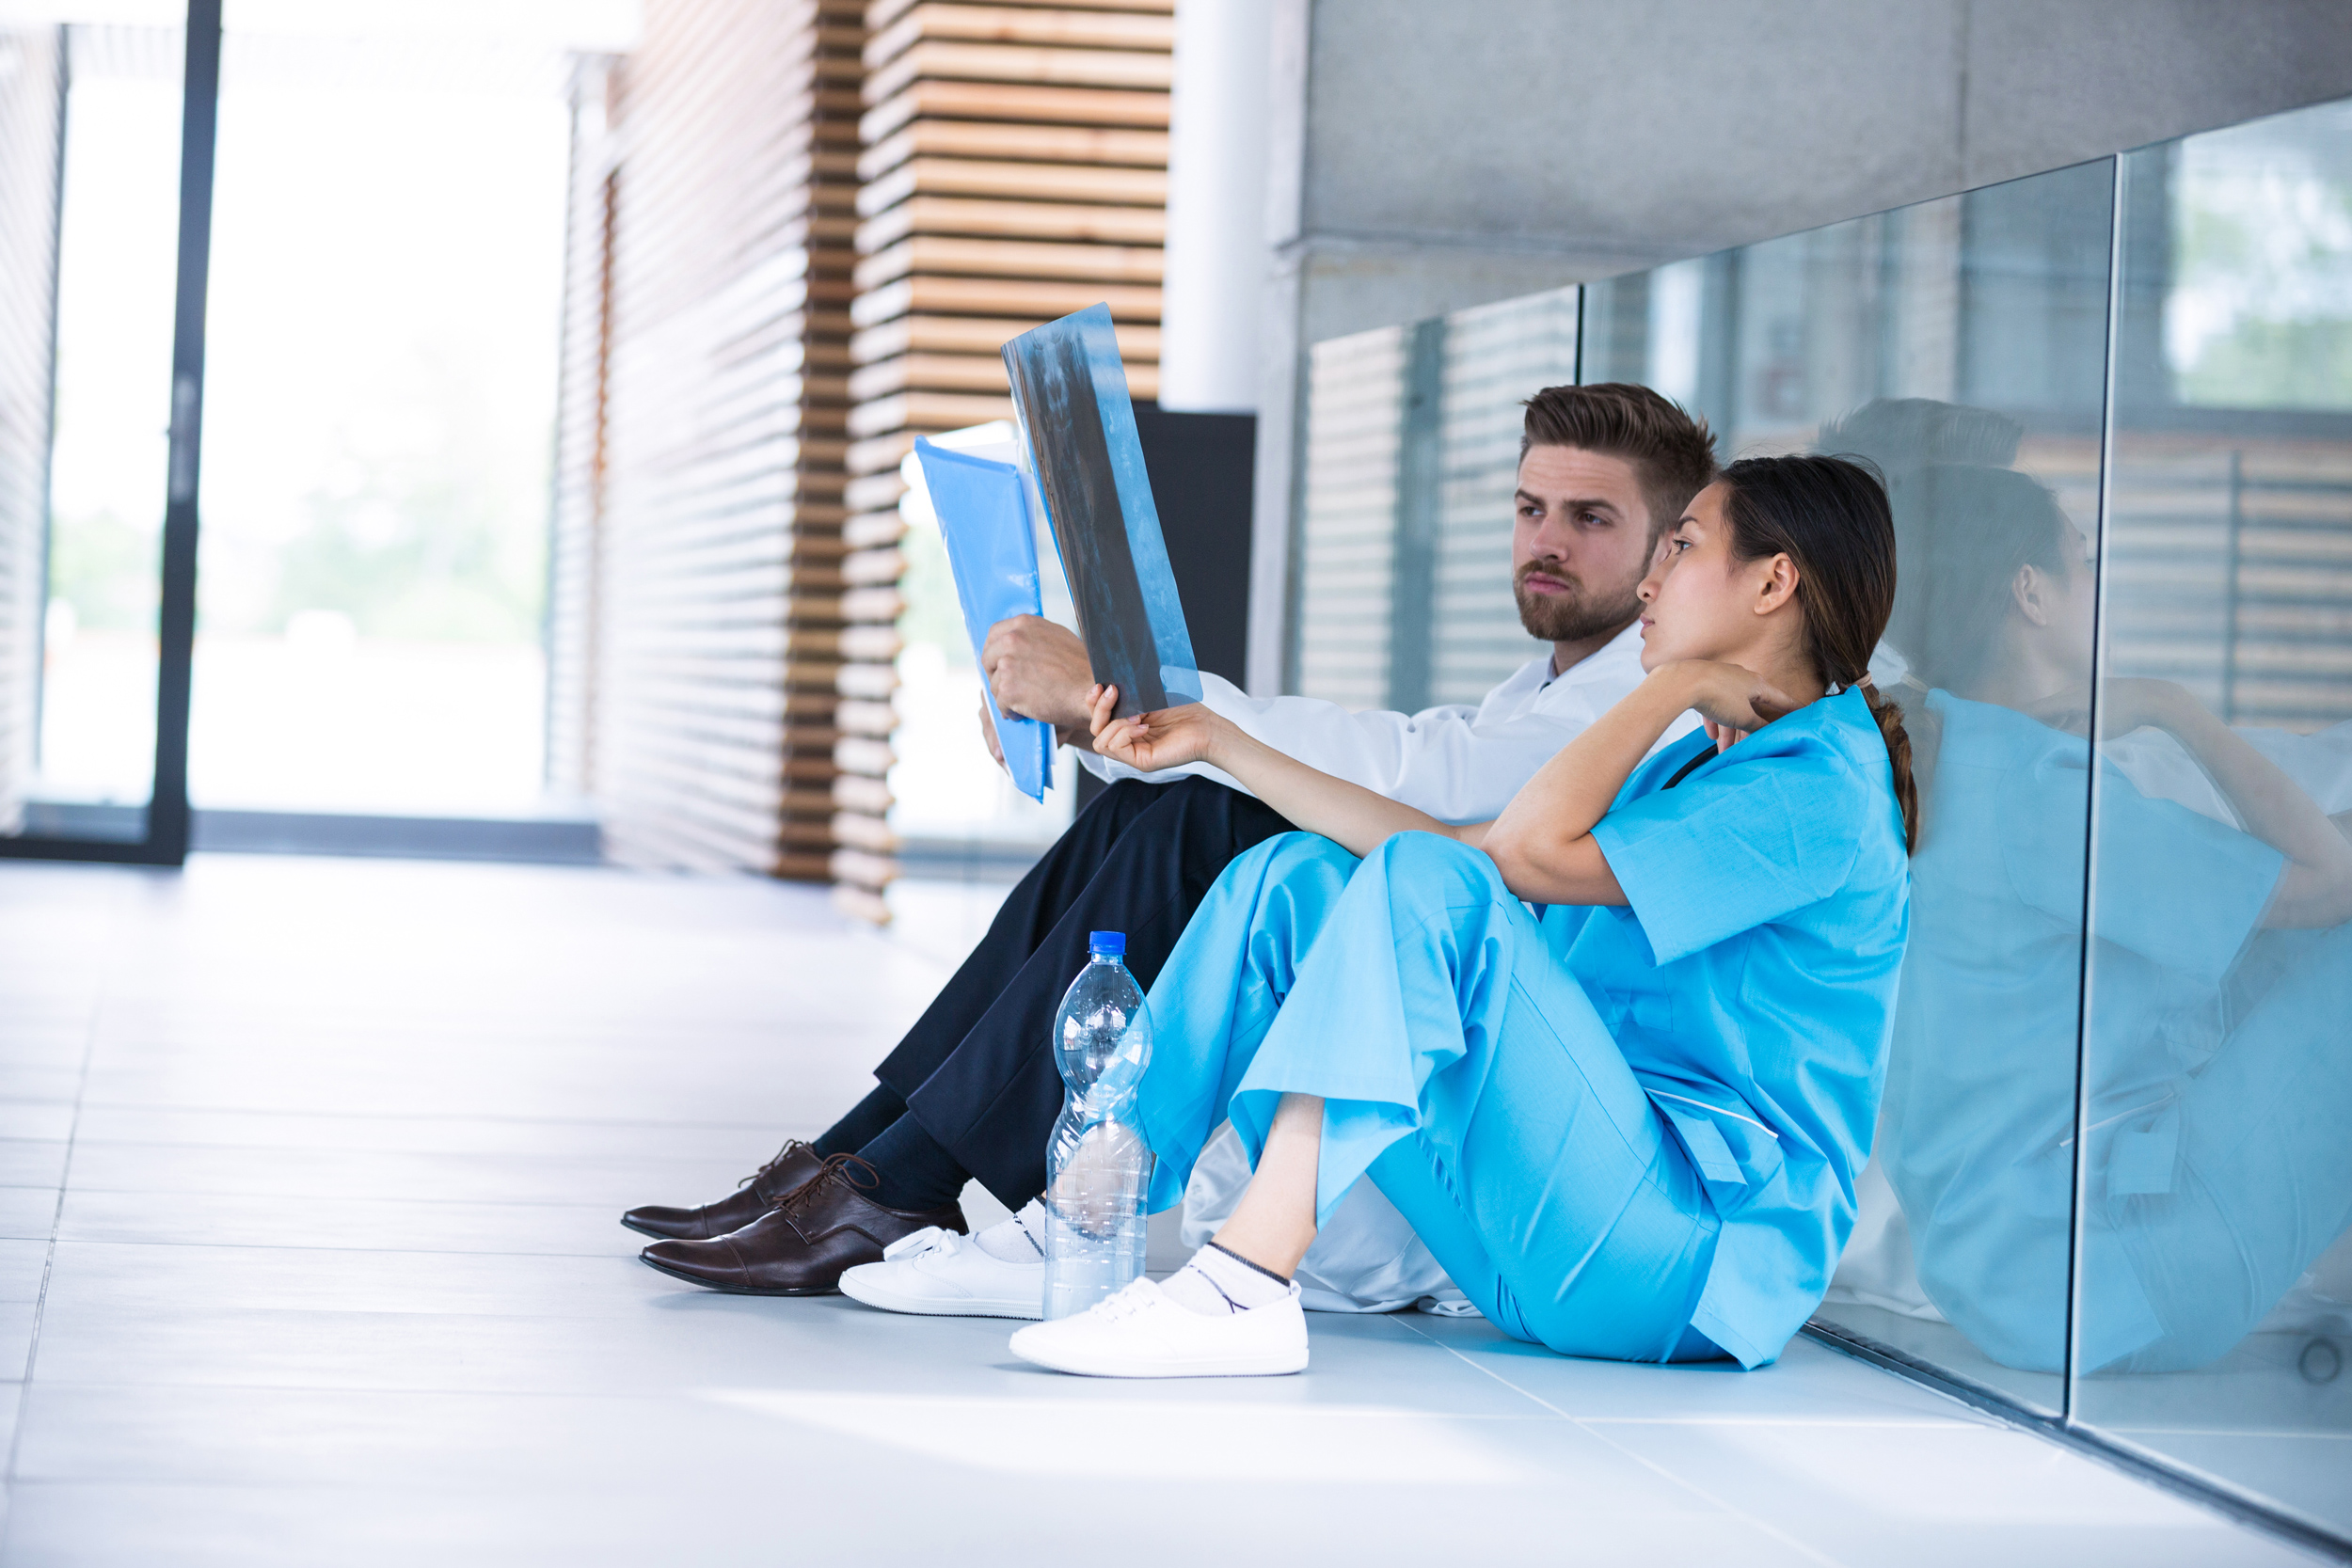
[972, 1091]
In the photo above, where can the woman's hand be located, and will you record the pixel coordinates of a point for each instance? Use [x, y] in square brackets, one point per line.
[2126, 702]
[1733, 701]
[1151, 741]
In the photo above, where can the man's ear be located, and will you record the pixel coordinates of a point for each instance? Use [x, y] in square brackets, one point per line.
[1777, 586]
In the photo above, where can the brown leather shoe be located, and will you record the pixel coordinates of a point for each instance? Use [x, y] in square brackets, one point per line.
[803, 1245]
[795, 1164]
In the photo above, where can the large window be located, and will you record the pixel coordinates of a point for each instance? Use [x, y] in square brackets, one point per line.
[2113, 407]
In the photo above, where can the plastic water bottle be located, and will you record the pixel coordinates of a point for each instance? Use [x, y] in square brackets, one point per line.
[1098, 1168]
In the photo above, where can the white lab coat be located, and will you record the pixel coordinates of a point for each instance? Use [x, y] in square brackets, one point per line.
[1458, 764]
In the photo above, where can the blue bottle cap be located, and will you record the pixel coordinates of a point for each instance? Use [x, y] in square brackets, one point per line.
[1112, 943]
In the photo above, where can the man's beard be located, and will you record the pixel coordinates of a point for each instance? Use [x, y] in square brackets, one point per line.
[1575, 615]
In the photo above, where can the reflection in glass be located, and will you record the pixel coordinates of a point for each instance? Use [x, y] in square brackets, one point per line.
[1496, 356]
[1412, 450]
[1345, 553]
[2215, 1281]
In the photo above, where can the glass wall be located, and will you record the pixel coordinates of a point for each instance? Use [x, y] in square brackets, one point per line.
[2112, 406]
[1403, 558]
[2215, 1280]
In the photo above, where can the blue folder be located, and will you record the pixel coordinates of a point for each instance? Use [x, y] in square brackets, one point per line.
[992, 550]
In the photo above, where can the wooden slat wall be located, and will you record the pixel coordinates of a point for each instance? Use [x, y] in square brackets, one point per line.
[31, 87]
[1015, 168]
[697, 616]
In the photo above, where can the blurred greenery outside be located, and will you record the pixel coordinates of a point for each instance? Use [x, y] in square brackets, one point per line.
[2262, 269]
[425, 545]
[932, 614]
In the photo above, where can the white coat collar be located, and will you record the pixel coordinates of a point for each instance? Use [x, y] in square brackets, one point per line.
[1616, 660]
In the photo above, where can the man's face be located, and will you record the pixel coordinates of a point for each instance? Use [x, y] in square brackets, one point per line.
[1581, 546]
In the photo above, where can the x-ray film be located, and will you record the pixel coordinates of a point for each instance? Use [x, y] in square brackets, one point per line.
[1078, 428]
[984, 521]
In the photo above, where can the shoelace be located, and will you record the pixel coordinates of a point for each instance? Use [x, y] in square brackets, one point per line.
[922, 1244]
[782, 1155]
[1126, 1302]
[857, 1175]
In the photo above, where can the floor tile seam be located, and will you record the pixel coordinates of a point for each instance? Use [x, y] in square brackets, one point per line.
[1890, 1423]
[273, 1150]
[1724, 1506]
[460, 1119]
[86, 1385]
[2294, 1433]
[365, 1251]
[177, 1193]
[95, 1022]
[657, 1039]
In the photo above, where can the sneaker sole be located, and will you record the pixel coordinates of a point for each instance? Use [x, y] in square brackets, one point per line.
[1081, 1366]
[925, 1307]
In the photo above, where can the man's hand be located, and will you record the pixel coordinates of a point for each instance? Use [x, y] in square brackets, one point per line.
[988, 730]
[1037, 669]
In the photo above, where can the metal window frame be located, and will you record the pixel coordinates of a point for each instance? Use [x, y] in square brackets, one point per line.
[166, 840]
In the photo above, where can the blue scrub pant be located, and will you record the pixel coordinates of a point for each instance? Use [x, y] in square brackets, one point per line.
[1462, 1067]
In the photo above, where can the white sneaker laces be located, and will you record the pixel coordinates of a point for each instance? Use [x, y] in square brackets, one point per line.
[931, 1238]
[1130, 1300]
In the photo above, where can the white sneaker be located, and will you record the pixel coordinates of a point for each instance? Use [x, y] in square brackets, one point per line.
[1141, 1333]
[942, 1275]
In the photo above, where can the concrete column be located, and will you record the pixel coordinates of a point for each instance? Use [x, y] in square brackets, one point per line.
[1211, 295]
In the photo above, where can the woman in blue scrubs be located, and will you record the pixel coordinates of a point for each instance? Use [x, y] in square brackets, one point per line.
[1626, 1123]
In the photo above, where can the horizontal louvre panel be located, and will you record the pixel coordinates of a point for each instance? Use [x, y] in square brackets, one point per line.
[943, 61]
[29, 123]
[1005, 298]
[1049, 221]
[1003, 25]
[926, 253]
[1058, 144]
[994, 101]
[1025, 182]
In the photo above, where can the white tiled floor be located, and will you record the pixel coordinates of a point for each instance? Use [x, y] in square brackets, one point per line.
[308, 1172]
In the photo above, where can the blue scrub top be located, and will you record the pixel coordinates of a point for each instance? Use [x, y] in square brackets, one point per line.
[1751, 984]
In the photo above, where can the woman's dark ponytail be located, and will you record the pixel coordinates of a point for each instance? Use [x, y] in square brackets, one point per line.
[1830, 516]
[1889, 715]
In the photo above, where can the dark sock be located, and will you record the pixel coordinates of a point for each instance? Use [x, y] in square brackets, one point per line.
[917, 1174]
[866, 1121]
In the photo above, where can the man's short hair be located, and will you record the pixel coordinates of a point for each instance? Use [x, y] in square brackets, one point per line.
[1672, 452]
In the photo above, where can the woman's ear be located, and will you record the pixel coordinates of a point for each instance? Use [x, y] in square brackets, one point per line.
[2030, 593]
[1777, 585]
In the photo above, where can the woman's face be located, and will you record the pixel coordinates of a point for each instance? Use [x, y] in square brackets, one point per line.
[1697, 602]
[2077, 615]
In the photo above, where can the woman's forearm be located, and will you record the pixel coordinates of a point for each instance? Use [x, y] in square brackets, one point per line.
[2316, 889]
[1349, 814]
[1543, 842]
